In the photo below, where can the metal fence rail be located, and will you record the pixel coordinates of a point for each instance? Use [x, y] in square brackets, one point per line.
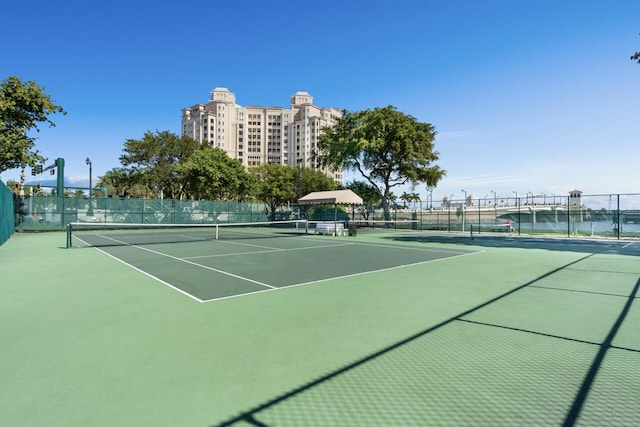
[605, 215]
[608, 215]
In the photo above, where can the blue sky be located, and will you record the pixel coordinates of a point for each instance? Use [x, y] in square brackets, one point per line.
[528, 96]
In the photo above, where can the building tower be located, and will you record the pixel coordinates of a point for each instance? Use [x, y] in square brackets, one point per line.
[256, 135]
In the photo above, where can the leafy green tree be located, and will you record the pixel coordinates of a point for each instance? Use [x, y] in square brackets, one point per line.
[154, 159]
[388, 148]
[370, 196]
[276, 185]
[211, 174]
[13, 186]
[409, 198]
[311, 180]
[22, 106]
[369, 193]
[121, 182]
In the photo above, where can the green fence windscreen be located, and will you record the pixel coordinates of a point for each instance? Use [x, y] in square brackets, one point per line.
[608, 215]
[7, 220]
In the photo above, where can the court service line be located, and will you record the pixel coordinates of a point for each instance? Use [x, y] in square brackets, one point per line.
[306, 239]
[194, 238]
[235, 253]
[207, 267]
[411, 247]
[247, 244]
[269, 251]
[342, 277]
[196, 264]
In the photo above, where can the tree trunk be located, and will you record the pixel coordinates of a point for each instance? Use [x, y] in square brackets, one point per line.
[385, 205]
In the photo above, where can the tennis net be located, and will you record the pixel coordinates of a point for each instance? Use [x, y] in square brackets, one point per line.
[353, 226]
[86, 234]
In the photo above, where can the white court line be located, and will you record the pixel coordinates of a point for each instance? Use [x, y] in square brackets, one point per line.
[153, 277]
[145, 273]
[196, 238]
[206, 267]
[381, 245]
[267, 251]
[627, 245]
[274, 288]
[194, 263]
[246, 244]
[344, 277]
[415, 248]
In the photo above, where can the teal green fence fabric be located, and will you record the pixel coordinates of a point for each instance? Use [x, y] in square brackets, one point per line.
[7, 220]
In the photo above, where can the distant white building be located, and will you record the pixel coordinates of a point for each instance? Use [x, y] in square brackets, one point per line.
[575, 198]
[256, 135]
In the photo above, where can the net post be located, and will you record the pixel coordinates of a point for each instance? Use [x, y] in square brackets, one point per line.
[68, 235]
[217, 232]
[471, 230]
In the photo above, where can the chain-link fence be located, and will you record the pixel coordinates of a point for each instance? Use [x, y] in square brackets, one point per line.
[609, 215]
[53, 213]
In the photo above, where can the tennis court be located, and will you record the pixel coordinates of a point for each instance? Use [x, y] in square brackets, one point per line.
[303, 329]
[208, 263]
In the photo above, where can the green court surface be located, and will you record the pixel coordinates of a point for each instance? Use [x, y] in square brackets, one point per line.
[406, 329]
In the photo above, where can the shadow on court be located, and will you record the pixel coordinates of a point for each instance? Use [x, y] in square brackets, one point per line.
[460, 373]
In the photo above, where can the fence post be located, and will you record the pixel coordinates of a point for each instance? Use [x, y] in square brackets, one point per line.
[568, 218]
[519, 218]
[619, 224]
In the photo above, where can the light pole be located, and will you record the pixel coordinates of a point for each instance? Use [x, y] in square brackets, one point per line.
[464, 205]
[90, 210]
[495, 206]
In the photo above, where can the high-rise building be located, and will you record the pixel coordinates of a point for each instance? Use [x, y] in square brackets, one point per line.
[256, 135]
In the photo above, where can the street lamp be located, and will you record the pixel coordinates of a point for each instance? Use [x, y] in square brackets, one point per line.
[90, 210]
[495, 198]
[464, 204]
